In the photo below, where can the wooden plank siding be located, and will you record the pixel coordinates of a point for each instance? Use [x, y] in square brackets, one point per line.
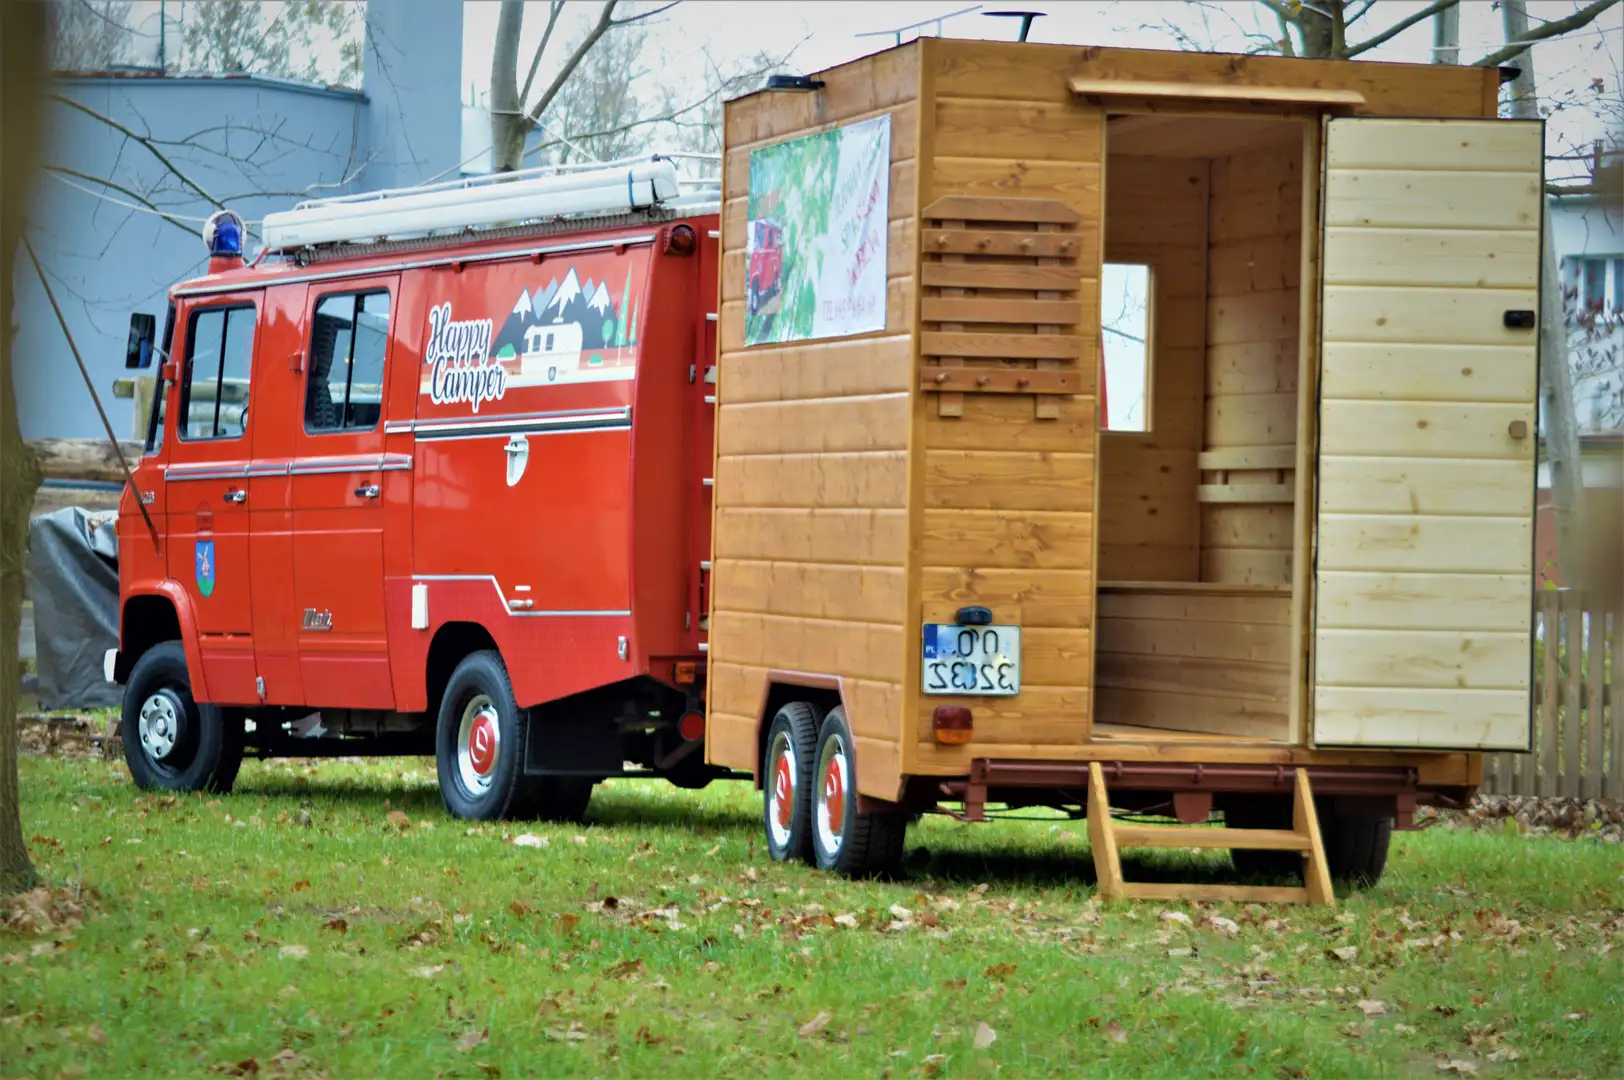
[1003, 513]
[1156, 215]
[810, 543]
[1253, 336]
[1425, 556]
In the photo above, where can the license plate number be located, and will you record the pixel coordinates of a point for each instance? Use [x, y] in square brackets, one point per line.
[981, 660]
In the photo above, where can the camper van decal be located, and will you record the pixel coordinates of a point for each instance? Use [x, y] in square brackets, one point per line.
[458, 357]
[552, 324]
[815, 236]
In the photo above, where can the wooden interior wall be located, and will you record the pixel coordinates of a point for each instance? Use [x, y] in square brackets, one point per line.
[1004, 508]
[1156, 214]
[1195, 657]
[810, 544]
[1253, 276]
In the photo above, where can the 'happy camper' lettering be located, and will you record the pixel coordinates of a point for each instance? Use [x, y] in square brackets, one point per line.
[458, 356]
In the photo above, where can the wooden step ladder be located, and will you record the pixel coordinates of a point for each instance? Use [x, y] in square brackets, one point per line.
[1108, 838]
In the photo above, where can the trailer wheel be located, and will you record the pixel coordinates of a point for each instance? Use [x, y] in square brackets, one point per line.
[171, 742]
[786, 781]
[479, 742]
[1355, 847]
[843, 839]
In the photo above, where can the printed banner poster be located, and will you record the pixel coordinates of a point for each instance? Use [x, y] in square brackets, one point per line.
[815, 243]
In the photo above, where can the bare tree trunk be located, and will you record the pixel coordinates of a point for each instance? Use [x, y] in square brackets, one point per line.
[1556, 380]
[508, 123]
[1446, 36]
[22, 52]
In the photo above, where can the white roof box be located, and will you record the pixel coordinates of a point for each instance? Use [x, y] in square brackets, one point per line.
[504, 198]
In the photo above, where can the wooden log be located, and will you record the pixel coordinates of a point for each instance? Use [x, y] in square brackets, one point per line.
[82, 459]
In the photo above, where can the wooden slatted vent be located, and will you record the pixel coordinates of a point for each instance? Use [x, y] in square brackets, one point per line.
[1001, 302]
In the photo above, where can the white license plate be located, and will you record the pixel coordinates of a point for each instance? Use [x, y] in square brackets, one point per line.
[984, 660]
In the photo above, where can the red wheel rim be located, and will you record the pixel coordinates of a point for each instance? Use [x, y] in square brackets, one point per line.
[834, 794]
[482, 745]
[784, 791]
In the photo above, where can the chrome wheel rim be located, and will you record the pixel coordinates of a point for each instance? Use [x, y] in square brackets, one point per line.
[833, 789]
[479, 744]
[781, 790]
[159, 726]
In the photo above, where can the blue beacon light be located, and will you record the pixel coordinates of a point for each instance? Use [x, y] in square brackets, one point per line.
[222, 233]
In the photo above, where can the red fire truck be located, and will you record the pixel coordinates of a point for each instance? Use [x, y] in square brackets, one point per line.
[404, 492]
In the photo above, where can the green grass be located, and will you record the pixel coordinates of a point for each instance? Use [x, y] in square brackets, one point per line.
[658, 940]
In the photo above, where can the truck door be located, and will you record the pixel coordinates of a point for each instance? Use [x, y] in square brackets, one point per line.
[341, 479]
[1429, 371]
[206, 488]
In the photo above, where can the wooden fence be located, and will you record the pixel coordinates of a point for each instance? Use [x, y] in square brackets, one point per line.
[1578, 747]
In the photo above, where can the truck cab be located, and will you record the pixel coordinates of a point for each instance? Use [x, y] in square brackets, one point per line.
[421, 480]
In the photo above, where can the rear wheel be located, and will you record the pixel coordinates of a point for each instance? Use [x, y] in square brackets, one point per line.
[1355, 846]
[786, 780]
[171, 742]
[479, 742]
[844, 839]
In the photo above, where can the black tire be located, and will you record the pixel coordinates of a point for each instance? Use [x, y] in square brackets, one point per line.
[189, 746]
[786, 782]
[488, 782]
[844, 840]
[1355, 847]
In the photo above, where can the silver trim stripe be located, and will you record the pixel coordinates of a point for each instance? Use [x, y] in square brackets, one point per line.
[415, 264]
[518, 614]
[305, 467]
[524, 424]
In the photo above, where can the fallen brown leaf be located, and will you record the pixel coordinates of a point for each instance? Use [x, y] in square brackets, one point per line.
[1454, 1065]
[985, 1036]
[566, 923]
[1000, 971]
[1371, 1008]
[1115, 1032]
[1347, 953]
[339, 925]
[815, 1025]
[470, 1039]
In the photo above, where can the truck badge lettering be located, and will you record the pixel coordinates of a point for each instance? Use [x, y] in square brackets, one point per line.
[317, 620]
[459, 359]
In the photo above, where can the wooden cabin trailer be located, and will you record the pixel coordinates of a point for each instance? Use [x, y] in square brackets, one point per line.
[1301, 585]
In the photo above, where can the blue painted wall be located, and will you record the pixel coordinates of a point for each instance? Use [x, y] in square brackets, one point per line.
[256, 144]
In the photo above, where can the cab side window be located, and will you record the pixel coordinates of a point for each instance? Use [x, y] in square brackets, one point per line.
[347, 344]
[219, 359]
[157, 410]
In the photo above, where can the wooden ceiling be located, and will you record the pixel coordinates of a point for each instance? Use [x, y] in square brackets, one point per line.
[1162, 135]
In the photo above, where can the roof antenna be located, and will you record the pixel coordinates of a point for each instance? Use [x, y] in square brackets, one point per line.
[1026, 18]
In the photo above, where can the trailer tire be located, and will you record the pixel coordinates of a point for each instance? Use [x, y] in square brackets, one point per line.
[1355, 847]
[172, 742]
[786, 782]
[479, 742]
[850, 842]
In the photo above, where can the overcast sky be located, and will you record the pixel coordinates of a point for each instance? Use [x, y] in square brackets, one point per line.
[826, 33]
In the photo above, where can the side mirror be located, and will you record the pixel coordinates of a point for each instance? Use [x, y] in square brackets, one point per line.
[138, 349]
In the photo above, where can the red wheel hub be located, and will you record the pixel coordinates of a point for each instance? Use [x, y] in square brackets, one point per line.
[783, 791]
[482, 745]
[834, 795]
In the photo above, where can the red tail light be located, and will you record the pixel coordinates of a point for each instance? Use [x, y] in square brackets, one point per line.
[954, 724]
[692, 726]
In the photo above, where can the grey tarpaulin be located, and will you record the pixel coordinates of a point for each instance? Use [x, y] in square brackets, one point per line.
[73, 581]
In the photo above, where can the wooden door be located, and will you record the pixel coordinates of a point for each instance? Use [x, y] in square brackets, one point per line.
[1429, 371]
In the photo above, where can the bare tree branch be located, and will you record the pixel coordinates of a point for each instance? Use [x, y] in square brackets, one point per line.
[1555, 28]
[640, 16]
[1399, 27]
[573, 61]
[146, 142]
[554, 10]
[111, 185]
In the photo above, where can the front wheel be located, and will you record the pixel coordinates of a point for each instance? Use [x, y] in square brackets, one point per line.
[171, 742]
[479, 742]
[844, 839]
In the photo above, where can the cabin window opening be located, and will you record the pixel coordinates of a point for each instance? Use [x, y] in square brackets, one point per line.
[157, 411]
[214, 389]
[348, 340]
[1125, 300]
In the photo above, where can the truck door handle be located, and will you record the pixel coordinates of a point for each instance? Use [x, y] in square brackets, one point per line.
[236, 495]
[368, 491]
